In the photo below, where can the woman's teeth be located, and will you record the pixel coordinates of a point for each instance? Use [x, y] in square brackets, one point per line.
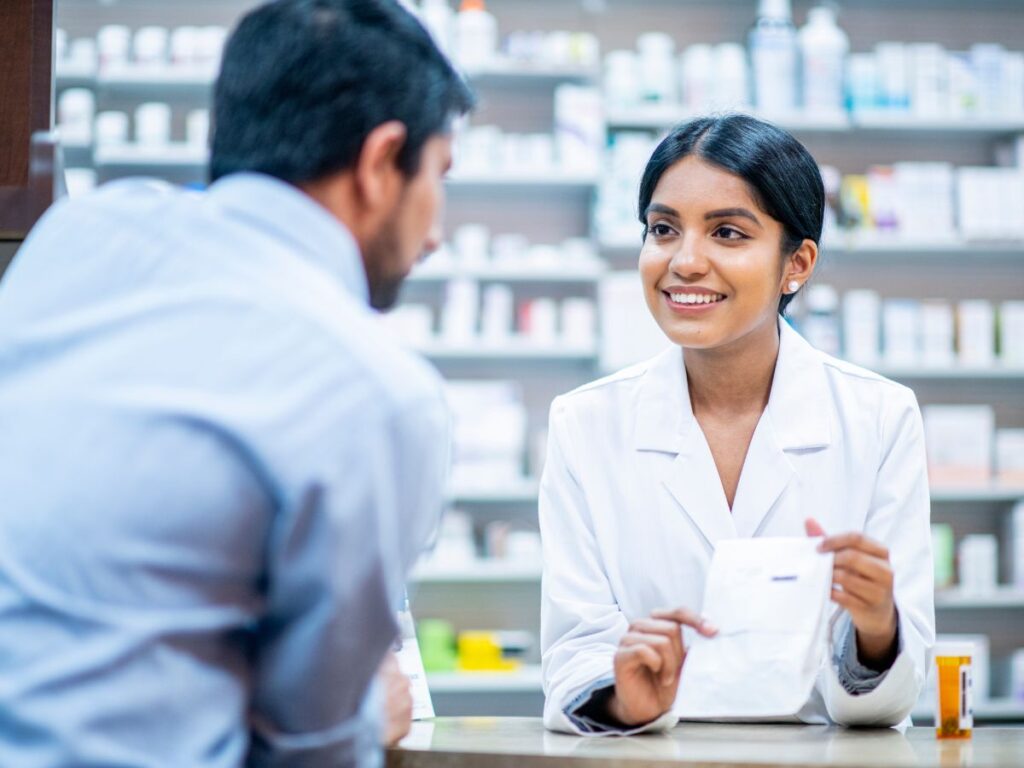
[696, 298]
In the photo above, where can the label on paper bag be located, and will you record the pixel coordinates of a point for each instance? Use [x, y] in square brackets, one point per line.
[769, 599]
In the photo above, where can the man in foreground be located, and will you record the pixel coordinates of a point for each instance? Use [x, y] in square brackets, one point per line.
[216, 469]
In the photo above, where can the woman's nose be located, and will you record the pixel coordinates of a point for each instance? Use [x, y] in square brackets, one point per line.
[689, 259]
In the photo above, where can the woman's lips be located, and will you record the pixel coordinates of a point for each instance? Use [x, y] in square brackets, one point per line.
[692, 304]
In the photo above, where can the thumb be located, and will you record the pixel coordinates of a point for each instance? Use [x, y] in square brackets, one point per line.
[813, 527]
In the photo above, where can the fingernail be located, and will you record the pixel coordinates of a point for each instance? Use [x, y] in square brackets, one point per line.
[708, 626]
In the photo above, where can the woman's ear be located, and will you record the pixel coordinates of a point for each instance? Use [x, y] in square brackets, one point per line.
[800, 266]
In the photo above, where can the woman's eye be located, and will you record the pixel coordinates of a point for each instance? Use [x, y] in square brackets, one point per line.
[729, 233]
[661, 230]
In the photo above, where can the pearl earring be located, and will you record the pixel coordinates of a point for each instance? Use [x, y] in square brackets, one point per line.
[793, 286]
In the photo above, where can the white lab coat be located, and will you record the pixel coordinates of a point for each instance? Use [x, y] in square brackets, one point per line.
[631, 506]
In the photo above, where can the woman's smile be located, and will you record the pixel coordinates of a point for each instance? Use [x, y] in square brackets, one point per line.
[692, 301]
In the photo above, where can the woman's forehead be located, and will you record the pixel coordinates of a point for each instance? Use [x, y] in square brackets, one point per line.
[696, 182]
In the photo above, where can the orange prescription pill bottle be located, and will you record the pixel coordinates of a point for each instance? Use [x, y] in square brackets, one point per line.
[954, 713]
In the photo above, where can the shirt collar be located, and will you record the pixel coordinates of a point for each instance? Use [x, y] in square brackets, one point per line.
[797, 406]
[287, 213]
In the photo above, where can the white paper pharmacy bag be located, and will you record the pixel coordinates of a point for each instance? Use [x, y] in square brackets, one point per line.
[769, 598]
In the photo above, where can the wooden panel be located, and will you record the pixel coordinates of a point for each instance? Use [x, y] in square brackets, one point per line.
[26, 171]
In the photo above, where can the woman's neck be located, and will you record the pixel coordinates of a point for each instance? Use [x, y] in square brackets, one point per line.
[735, 379]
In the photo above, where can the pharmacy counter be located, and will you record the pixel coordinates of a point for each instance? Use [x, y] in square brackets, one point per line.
[523, 743]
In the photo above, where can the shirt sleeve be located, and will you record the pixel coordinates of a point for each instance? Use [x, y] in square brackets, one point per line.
[581, 622]
[337, 562]
[900, 517]
[855, 677]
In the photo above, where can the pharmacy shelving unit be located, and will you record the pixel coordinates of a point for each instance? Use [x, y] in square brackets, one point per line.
[549, 207]
[661, 118]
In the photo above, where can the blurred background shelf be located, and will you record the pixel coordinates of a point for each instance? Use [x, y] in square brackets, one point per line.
[993, 373]
[520, 74]
[500, 571]
[948, 495]
[513, 352]
[852, 249]
[661, 118]
[988, 712]
[525, 492]
[151, 158]
[1002, 598]
[582, 273]
[525, 679]
[522, 492]
[526, 181]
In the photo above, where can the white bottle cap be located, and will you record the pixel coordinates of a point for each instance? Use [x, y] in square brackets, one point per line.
[774, 9]
[821, 14]
[946, 649]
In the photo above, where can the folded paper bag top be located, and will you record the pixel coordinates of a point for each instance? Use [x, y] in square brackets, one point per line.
[769, 599]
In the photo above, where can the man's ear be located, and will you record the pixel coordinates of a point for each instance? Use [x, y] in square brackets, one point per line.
[377, 175]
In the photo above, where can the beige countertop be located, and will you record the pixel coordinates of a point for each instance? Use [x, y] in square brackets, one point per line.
[515, 742]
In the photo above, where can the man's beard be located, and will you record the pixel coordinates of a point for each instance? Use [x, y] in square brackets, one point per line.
[384, 288]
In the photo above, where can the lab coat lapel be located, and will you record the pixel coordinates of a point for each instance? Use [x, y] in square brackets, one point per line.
[666, 425]
[797, 419]
[766, 473]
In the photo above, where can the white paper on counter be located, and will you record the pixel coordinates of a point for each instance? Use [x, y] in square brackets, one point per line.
[411, 663]
[769, 599]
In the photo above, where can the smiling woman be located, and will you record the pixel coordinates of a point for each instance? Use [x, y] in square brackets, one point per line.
[739, 429]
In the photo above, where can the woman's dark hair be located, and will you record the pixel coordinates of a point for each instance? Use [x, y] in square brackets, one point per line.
[782, 176]
[304, 82]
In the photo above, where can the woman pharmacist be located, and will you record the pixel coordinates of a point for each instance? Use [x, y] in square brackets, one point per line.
[738, 429]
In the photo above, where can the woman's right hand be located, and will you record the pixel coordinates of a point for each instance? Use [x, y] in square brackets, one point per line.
[648, 664]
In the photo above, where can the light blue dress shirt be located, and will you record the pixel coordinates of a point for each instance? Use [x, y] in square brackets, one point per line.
[215, 470]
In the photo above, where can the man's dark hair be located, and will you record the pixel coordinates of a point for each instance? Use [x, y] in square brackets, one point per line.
[304, 82]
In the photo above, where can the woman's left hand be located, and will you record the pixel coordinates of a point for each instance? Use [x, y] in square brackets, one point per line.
[862, 583]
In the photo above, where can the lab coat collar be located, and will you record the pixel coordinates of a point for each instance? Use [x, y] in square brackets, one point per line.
[797, 417]
[290, 215]
[797, 406]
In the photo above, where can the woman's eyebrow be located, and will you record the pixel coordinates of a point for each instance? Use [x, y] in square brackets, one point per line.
[725, 213]
[660, 208]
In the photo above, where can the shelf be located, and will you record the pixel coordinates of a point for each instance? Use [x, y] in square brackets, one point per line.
[505, 72]
[136, 156]
[966, 495]
[659, 117]
[902, 123]
[955, 373]
[578, 273]
[140, 80]
[524, 492]
[850, 248]
[525, 181]
[1002, 598]
[960, 249]
[990, 711]
[526, 679]
[478, 572]
[663, 117]
[75, 77]
[516, 351]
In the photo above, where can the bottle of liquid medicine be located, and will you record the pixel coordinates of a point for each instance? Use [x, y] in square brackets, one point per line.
[823, 49]
[773, 56]
[476, 36]
[438, 18]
